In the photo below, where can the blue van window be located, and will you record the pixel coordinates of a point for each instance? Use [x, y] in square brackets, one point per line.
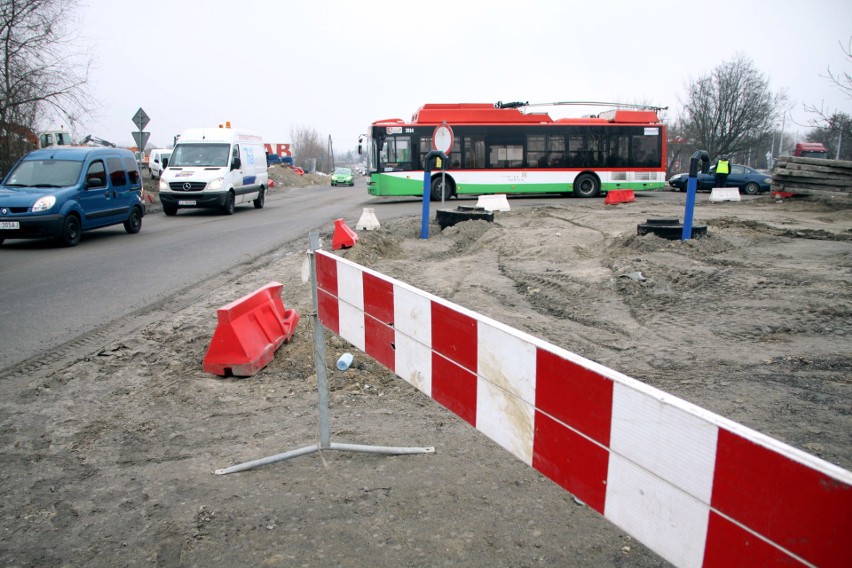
[117, 175]
[132, 170]
[96, 170]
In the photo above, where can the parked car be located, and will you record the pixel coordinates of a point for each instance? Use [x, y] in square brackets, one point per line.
[61, 192]
[272, 159]
[749, 180]
[342, 176]
[158, 159]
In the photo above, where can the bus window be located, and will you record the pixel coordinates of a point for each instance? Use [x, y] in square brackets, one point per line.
[396, 153]
[618, 151]
[545, 151]
[474, 152]
[646, 151]
[506, 156]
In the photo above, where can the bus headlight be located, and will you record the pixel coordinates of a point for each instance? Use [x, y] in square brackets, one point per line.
[44, 203]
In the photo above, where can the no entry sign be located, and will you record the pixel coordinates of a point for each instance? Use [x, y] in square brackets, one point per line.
[442, 139]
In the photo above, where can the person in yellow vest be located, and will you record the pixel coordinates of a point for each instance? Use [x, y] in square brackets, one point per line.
[723, 168]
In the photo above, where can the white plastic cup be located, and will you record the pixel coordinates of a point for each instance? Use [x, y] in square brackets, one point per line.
[344, 361]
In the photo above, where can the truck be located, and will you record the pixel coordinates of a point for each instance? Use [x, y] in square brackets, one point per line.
[810, 150]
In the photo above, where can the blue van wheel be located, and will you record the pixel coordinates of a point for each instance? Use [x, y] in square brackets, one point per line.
[133, 223]
[71, 231]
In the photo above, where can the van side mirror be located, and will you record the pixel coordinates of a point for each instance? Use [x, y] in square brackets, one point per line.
[236, 164]
[93, 182]
[165, 163]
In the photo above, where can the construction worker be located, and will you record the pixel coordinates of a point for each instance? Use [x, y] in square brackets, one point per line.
[723, 168]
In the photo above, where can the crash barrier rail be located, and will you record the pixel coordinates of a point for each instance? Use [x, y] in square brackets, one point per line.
[248, 332]
[697, 488]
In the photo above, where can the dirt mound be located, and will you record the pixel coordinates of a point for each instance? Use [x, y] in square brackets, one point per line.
[283, 176]
[109, 462]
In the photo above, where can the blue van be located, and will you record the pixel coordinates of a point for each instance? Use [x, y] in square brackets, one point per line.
[60, 192]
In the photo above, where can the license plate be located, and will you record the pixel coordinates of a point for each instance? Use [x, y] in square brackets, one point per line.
[186, 202]
[10, 225]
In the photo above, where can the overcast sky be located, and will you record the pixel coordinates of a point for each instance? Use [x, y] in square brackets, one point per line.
[336, 66]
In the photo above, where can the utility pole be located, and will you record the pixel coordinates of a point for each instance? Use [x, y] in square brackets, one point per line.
[839, 143]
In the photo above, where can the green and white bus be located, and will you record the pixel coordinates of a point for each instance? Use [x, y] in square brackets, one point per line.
[504, 150]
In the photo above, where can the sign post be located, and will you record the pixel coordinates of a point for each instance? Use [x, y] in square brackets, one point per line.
[141, 120]
[442, 141]
[427, 179]
[699, 159]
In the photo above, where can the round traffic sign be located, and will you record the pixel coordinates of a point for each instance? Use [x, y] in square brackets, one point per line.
[442, 139]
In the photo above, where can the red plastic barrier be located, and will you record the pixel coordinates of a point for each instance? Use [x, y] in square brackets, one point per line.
[248, 333]
[619, 196]
[344, 237]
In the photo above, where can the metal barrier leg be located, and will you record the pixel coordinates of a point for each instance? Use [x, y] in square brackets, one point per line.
[322, 402]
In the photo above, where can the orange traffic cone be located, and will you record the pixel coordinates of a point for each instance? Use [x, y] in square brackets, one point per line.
[344, 237]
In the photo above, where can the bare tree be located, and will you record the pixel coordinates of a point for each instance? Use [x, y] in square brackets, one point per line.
[835, 133]
[832, 128]
[42, 75]
[308, 146]
[843, 80]
[731, 108]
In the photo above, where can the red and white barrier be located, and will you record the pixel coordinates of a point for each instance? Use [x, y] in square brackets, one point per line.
[698, 489]
[248, 333]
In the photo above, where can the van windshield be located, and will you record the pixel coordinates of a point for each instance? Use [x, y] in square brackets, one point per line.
[45, 173]
[200, 155]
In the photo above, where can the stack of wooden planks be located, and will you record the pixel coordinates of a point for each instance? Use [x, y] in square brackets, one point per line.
[812, 176]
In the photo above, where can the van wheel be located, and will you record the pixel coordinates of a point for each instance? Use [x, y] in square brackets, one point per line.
[261, 199]
[133, 223]
[169, 210]
[71, 231]
[228, 208]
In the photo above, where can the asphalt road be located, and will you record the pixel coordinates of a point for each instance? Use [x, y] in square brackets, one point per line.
[54, 295]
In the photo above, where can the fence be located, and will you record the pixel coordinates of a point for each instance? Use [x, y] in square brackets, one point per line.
[696, 488]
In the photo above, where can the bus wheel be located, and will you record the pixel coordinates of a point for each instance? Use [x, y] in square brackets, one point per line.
[586, 185]
[438, 189]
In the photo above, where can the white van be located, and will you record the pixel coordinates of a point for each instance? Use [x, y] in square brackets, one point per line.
[155, 161]
[215, 168]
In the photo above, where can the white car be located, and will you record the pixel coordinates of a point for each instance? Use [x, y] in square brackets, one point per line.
[156, 163]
